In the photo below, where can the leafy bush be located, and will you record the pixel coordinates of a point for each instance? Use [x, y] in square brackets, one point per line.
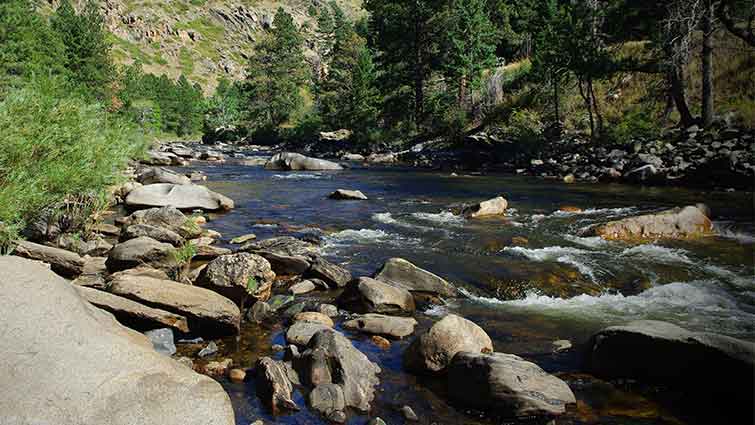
[526, 126]
[55, 145]
[638, 123]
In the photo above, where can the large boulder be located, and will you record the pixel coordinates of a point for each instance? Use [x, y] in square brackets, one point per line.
[365, 295]
[208, 313]
[491, 207]
[141, 251]
[154, 157]
[65, 263]
[332, 274]
[301, 332]
[433, 351]
[506, 384]
[159, 234]
[403, 274]
[288, 161]
[701, 363]
[380, 324]
[94, 246]
[330, 358]
[238, 277]
[183, 197]
[63, 361]
[169, 218]
[153, 175]
[131, 313]
[687, 222]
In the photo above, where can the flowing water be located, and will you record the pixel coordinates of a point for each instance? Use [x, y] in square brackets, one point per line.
[529, 277]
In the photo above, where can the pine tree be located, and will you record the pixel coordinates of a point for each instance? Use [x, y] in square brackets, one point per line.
[469, 44]
[348, 96]
[276, 74]
[87, 49]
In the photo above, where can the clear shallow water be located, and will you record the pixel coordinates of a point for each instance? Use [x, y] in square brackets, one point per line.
[525, 293]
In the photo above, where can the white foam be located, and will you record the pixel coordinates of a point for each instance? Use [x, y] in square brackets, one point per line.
[725, 231]
[575, 257]
[589, 242]
[699, 304]
[297, 176]
[385, 218]
[444, 217]
[657, 254]
[367, 237]
[264, 225]
[608, 212]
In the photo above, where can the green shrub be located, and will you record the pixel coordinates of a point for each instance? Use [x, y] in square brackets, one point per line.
[55, 145]
[638, 123]
[526, 126]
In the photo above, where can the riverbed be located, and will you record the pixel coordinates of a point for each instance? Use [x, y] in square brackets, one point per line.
[529, 278]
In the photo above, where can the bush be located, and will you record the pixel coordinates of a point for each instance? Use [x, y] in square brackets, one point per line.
[638, 123]
[526, 126]
[54, 146]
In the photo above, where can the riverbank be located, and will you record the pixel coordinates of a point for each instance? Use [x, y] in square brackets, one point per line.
[515, 276]
[720, 157]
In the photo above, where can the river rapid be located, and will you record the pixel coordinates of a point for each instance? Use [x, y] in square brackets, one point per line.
[529, 278]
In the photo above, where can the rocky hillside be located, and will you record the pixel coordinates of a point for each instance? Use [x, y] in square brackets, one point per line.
[203, 39]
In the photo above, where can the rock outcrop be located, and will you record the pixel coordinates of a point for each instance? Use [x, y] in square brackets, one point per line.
[65, 361]
[65, 263]
[288, 161]
[687, 222]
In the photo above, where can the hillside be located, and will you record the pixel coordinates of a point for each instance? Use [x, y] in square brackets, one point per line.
[203, 39]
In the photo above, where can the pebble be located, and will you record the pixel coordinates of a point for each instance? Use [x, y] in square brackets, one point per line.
[237, 375]
[409, 413]
[561, 345]
[381, 342]
[209, 350]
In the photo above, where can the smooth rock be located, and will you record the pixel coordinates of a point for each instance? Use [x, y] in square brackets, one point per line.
[207, 312]
[491, 207]
[380, 342]
[409, 414]
[328, 309]
[288, 161]
[141, 251]
[237, 375]
[167, 218]
[506, 384]
[343, 194]
[365, 295]
[336, 276]
[302, 287]
[209, 252]
[687, 222]
[153, 175]
[403, 274]
[65, 263]
[218, 368]
[380, 324]
[300, 333]
[313, 317]
[239, 240]
[327, 399]
[183, 197]
[433, 351]
[159, 234]
[133, 314]
[209, 350]
[78, 350]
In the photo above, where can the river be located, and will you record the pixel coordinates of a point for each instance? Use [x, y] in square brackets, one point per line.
[529, 278]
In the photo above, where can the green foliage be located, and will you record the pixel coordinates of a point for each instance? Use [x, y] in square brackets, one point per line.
[182, 258]
[87, 51]
[526, 127]
[28, 46]
[9, 233]
[251, 285]
[638, 123]
[275, 75]
[66, 147]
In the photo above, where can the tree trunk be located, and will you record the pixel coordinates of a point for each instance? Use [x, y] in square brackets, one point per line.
[676, 78]
[462, 91]
[707, 65]
[588, 103]
[419, 95]
[596, 110]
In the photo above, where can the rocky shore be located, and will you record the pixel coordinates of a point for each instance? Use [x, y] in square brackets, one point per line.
[106, 314]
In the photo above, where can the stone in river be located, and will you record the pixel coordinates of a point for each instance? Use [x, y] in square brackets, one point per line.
[403, 274]
[491, 207]
[343, 194]
[687, 222]
[183, 197]
[365, 295]
[288, 161]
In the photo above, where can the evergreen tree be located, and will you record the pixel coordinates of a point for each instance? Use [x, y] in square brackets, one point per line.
[28, 46]
[348, 96]
[276, 74]
[87, 50]
[469, 45]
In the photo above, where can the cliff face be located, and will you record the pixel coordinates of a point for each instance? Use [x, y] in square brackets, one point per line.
[203, 39]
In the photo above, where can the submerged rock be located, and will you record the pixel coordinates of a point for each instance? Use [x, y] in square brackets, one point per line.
[506, 384]
[433, 351]
[288, 161]
[78, 348]
[403, 274]
[687, 222]
[183, 197]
